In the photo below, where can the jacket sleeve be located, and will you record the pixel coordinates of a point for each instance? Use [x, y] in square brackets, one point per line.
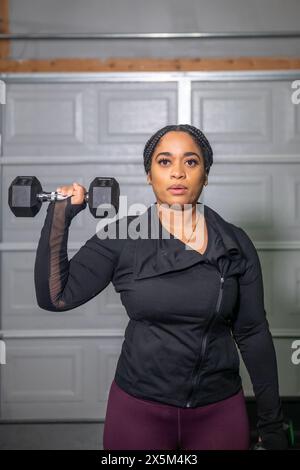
[252, 334]
[62, 284]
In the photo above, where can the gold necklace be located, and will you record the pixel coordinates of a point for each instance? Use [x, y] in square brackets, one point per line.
[197, 220]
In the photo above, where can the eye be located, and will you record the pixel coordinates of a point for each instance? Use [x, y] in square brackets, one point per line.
[163, 160]
[194, 161]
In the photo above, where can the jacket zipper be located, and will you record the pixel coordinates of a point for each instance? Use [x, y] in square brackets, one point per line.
[204, 342]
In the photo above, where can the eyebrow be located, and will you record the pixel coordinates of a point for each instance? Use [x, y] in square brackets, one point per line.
[186, 154]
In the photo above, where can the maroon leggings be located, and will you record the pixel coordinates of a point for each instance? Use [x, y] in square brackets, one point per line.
[139, 424]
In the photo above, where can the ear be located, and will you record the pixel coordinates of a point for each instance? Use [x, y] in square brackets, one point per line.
[149, 181]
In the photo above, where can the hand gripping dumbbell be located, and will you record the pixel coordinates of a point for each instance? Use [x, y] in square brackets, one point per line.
[25, 195]
[288, 429]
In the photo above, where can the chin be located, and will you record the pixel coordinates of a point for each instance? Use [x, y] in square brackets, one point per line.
[179, 201]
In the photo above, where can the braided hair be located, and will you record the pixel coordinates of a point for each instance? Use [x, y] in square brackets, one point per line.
[197, 135]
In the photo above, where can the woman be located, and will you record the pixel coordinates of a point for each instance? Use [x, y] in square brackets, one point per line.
[192, 289]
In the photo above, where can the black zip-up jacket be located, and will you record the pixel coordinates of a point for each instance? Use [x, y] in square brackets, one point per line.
[186, 311]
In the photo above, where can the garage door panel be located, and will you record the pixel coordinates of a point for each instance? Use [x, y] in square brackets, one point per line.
[50, 378]
[21, 312]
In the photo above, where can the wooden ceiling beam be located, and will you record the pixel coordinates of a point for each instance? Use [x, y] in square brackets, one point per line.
[4, 28]
[148, 64]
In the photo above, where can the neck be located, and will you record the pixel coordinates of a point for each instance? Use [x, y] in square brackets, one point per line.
[180, 221]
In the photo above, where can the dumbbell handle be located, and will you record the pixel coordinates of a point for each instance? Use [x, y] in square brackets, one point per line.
[258, 446]
[55, 196]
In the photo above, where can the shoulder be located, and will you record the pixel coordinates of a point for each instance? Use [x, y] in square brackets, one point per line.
[244, 239]
[253, 265]
[239, 234]
[110, 237]
[245, 245]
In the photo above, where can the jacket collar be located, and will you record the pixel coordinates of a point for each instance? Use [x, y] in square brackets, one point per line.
[161, 252]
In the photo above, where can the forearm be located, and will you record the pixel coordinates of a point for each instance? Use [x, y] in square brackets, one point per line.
[258, 353]
[51, 269]
[252, 334]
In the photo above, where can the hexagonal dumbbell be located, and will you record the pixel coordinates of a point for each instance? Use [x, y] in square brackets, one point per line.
[25, 195]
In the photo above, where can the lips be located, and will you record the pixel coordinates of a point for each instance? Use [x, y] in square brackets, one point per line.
[177, 189]
[177, 186]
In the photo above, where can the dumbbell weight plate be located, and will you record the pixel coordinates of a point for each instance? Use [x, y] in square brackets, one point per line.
[103, 191]
[22, 196]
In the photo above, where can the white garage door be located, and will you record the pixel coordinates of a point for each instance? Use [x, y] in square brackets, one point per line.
[65, 128]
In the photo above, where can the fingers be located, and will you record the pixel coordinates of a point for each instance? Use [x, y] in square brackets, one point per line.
[63, 190]
[76, 190]
[68, 190]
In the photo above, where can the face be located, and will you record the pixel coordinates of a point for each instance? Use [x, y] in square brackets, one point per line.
[177, 161]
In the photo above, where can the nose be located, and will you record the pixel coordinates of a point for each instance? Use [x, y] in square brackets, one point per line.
[178, 170]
